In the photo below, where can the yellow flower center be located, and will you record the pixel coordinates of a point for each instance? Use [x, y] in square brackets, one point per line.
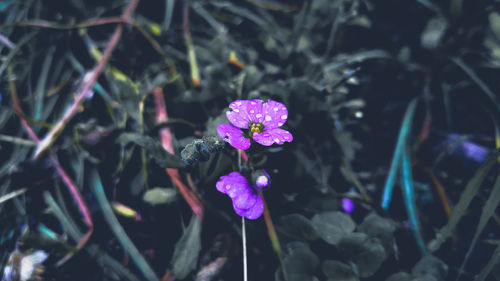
[255, 127]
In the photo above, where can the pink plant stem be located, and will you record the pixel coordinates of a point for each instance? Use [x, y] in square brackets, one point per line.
[166, 140]
[84, 210]
[88, 85]
[244, 156]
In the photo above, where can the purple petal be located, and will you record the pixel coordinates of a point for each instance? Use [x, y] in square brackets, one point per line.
[244, 111]
[275, 114]
[233, 136]
[227, 183]
[254, 212]
[277, 135]
[246, 202]
[246, 197]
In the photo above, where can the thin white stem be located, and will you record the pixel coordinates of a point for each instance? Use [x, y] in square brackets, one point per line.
[244, 240]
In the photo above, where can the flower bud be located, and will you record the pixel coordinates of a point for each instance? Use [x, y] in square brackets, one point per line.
[261, 179]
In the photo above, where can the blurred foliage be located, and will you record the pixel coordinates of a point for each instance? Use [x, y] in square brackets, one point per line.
[346, 70]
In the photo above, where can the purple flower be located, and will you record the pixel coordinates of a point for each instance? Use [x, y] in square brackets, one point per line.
[261, 119]
[347, 205]
[246, 202]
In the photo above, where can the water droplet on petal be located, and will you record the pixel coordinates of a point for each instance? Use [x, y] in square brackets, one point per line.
[284, 116]
[268, 118]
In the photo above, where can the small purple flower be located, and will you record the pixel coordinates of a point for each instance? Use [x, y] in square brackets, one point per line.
[347, 205]
[261, 119]
[246, 202]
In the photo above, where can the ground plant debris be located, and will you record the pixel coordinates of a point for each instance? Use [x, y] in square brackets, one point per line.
[215, 140]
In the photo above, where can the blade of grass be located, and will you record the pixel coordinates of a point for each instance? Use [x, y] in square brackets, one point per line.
[42, 81]
[55, 25]
[12, 194]
[114, 224]
[169, 9]
[16, 140]
[490, 265]
[409, 196]
[67, 223]
[3, 190]
[482, 85]
[195, 72]
[15, 50]
[18, 154]
[398, 152]
[488, 211]
[466, 197]
[220, 28]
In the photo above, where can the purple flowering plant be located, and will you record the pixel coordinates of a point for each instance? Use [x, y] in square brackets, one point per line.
[258, 120]
[255, 119]
[246, 202]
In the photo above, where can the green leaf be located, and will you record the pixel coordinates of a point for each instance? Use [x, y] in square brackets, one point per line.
[367, 253]
[154, 150]
[338, 271]
[379, 227]
[430, 265]
[297, 227]
[300, 262]
[400, 276]
[333, 226]
[187, 250]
